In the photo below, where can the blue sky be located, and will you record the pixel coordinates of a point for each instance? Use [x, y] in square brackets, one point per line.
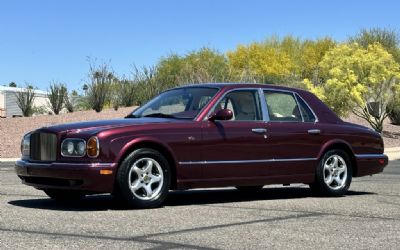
[42, 41]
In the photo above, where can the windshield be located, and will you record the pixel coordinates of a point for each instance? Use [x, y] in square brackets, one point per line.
[181, 103]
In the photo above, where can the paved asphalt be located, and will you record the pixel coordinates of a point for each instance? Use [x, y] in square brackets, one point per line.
[278, 217]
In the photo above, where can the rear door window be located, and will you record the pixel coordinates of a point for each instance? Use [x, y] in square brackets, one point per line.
[282, 106]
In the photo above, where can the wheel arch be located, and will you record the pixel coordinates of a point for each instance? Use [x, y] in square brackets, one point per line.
[342, 145]
[155, 145]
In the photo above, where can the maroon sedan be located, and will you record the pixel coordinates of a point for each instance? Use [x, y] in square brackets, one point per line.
[207, 135]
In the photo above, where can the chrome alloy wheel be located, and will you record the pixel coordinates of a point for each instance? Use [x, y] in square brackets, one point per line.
[145, 178]
[335, 172]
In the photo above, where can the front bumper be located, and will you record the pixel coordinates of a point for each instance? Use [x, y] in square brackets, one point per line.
[368, 164]
[72, 176]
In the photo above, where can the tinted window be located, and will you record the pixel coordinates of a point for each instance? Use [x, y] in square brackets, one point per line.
[243, 103]
[282, 106]
[308, 115]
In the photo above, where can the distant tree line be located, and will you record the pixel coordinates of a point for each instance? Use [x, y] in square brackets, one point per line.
[360, 75]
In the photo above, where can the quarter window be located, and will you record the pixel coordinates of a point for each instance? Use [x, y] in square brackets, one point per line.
[282, 106]
[308, 115]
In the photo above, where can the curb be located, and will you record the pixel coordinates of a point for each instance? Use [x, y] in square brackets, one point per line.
[8, 160]
[393, 153]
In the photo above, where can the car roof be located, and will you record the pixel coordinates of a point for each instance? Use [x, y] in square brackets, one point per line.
[243, 85]
[323, 113]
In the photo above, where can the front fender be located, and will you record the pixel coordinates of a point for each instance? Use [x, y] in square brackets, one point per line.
[128, 143]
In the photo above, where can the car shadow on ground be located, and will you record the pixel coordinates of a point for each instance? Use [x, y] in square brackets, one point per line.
[177, 198]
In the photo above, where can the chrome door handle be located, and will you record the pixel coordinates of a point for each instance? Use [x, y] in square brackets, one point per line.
[259, 130]
[314, 131]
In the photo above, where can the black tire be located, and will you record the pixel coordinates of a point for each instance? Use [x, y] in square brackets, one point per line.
[249, 189]
[128, 177]
[339, 181]
[64, 195]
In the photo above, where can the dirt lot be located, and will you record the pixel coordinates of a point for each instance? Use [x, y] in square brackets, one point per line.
[12, 129]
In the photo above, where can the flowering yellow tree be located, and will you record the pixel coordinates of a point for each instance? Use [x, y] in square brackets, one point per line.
[278, 60]
[358, 80]
[259, 61]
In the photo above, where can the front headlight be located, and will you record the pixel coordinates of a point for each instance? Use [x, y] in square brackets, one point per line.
[26, 145]
[73, 147]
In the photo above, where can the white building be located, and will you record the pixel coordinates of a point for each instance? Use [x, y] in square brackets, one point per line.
[8, 101]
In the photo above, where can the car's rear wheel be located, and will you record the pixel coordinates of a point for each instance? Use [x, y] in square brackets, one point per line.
[64, 195]
[333, 174]
[143, 179]
[249, 189]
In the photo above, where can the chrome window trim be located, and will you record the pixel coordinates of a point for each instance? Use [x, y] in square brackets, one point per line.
[245, 161]
[295, 94]
[283, 91]
[298, 106]
[237, 89]
[312, 111]
[263, 105]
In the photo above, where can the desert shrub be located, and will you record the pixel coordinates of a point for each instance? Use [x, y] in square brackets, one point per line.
[56, 95]
[40, 110]
[393, 111]
[25, 99]
[127, 93]
[68, 103]
[98, 89]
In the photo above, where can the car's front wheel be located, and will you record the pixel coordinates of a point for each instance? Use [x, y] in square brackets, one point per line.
[333, 174]
[143, 179]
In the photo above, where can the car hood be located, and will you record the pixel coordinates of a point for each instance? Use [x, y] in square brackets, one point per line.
[101, 125]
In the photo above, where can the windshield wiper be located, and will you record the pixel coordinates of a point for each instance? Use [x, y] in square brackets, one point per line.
[161, 115]
[132, 116]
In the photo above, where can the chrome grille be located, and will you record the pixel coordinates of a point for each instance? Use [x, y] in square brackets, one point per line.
[43, 147]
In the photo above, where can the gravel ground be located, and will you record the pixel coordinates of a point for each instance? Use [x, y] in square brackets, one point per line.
[12, 129]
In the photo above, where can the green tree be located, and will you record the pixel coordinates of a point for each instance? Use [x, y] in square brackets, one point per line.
[127, 91]
[146, 84]
[284, 61]
[25, 99]
[57, 94]
[358, 80]
[203, 65]
[388, 38]
[68, 101]
[312, 53]
[261, 62]
[98, 89]
[12, 84]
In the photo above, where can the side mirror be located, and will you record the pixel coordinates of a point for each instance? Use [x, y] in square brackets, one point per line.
[222, 114]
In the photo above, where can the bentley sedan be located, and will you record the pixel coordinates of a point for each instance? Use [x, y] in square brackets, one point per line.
[206, 135]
